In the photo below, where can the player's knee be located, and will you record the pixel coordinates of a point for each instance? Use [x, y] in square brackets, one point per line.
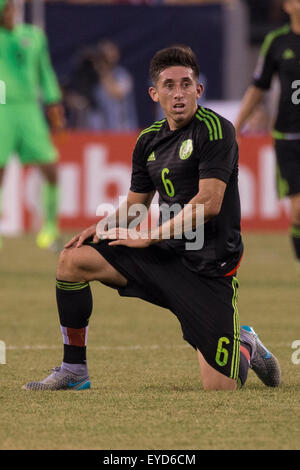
[220, 382]
[216, 386]
[1, 175]
[209, 384]
[67, 265]
[50, 172]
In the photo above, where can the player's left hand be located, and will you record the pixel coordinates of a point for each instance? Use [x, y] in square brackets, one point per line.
[56, 117]
[126, 237]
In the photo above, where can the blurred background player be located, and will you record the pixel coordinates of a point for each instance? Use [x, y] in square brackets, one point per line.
[280, 54]
[26, 70]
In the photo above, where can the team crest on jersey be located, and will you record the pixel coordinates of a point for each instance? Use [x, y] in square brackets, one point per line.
[151, 157]
[186, 149]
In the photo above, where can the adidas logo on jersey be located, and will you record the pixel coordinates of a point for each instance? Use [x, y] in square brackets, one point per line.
[151, 157]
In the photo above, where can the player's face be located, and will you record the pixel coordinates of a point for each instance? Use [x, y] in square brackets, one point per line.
[8, 16]
[177, 92]
[292, 8]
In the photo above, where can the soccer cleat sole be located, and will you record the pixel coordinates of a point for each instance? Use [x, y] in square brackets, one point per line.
[39, 386]
[264, 363]
[266, 367]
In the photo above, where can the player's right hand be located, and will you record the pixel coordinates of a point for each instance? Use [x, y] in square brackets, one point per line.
[78, 240]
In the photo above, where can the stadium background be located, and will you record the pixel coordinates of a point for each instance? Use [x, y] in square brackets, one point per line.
[95, 165]
[146, 389]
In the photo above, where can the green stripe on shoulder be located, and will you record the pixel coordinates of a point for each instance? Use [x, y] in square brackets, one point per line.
[155, 127]
[212, 122]
[206, 122]
[273, 35]
[213, 116]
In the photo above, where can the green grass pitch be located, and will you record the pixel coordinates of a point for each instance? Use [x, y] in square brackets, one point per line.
[146, 390]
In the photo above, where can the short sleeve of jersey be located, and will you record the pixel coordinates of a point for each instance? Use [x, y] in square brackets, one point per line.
[266, 65]
[218, 158]
[140, 179]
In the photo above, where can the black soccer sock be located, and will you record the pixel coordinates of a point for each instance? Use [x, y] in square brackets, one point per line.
[245, 354]
[75, 304]
[295, 236]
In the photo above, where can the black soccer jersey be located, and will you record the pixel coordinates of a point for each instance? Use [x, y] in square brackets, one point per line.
[280, 54]
[172, 162]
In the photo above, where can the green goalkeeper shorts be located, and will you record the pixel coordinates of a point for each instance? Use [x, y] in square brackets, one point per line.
[24, 131]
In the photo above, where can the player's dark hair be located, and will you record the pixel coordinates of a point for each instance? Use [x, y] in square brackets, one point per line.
[173, 56]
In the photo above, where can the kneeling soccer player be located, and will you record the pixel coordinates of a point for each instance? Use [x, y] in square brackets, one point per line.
[191, 159]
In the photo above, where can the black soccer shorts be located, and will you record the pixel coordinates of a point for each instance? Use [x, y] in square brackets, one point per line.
[288, 167]
[205, 307]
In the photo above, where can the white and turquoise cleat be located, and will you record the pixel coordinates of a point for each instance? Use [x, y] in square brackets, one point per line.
[60, 379]
[262, 361]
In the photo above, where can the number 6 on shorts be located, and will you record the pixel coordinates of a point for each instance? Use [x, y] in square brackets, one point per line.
[222, 353]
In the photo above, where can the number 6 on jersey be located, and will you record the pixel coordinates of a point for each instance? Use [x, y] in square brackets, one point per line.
[169, 188]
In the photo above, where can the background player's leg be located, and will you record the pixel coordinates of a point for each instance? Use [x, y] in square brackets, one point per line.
[1, 175]
[49, 172]
[49, 233]
[212, 379]
[8, 144]
[36, 148]
[295, 224]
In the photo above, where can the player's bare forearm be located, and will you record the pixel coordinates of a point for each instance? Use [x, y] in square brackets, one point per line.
[205, 205]
[126, 214]
[251, 99]
[201, 208]
[186, 220]
[121, 218]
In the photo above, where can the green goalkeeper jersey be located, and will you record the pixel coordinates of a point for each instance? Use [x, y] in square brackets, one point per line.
[25, 66]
